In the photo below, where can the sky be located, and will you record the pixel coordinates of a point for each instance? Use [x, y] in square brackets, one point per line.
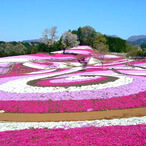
[26, 19]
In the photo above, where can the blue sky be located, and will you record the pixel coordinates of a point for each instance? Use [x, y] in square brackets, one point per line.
[26, 19]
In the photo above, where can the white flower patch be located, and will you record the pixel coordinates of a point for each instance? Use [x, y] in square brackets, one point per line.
[125, 67]
[94, 61]
[41, 66]
[19, 59]
[118, 62]
[62, 65]
[34, 65]
[57, 52]
[73, 64]
[20, 85]
[78, 51]
[7, 60]
[6, 126]
[132, 73]
[82, 47]
[111, 56]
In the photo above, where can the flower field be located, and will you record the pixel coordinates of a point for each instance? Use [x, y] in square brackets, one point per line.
[58, 83]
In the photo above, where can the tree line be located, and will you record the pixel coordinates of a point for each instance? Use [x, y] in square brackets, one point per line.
[86, 35]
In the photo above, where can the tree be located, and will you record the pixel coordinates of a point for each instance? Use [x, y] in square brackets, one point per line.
[132, 51]
[86, 35]
[49, 36]
[13, 43]
[57, 45]
[116, 44]
[143, 46]
[69, 40]
[141, 53]
[78, 32]
[42, 47]
[100, 45]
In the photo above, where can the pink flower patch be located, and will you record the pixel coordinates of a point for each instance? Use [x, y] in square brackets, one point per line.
[108, 135]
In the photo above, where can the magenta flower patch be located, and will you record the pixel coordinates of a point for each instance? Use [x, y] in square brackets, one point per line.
[109, 135]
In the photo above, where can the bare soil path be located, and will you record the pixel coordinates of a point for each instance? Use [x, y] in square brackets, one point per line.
[77, 116]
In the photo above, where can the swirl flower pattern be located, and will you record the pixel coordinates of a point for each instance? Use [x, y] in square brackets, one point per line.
[58, 83]
[43, 80]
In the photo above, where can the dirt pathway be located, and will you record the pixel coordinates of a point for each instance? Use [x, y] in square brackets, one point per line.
[78, 116]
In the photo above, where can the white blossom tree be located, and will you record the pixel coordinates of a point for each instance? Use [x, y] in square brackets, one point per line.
[49, 36]
[69, 40]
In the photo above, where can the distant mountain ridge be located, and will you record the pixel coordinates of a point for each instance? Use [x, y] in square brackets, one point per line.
[136, 37]
[138, 42]
[34, 40]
